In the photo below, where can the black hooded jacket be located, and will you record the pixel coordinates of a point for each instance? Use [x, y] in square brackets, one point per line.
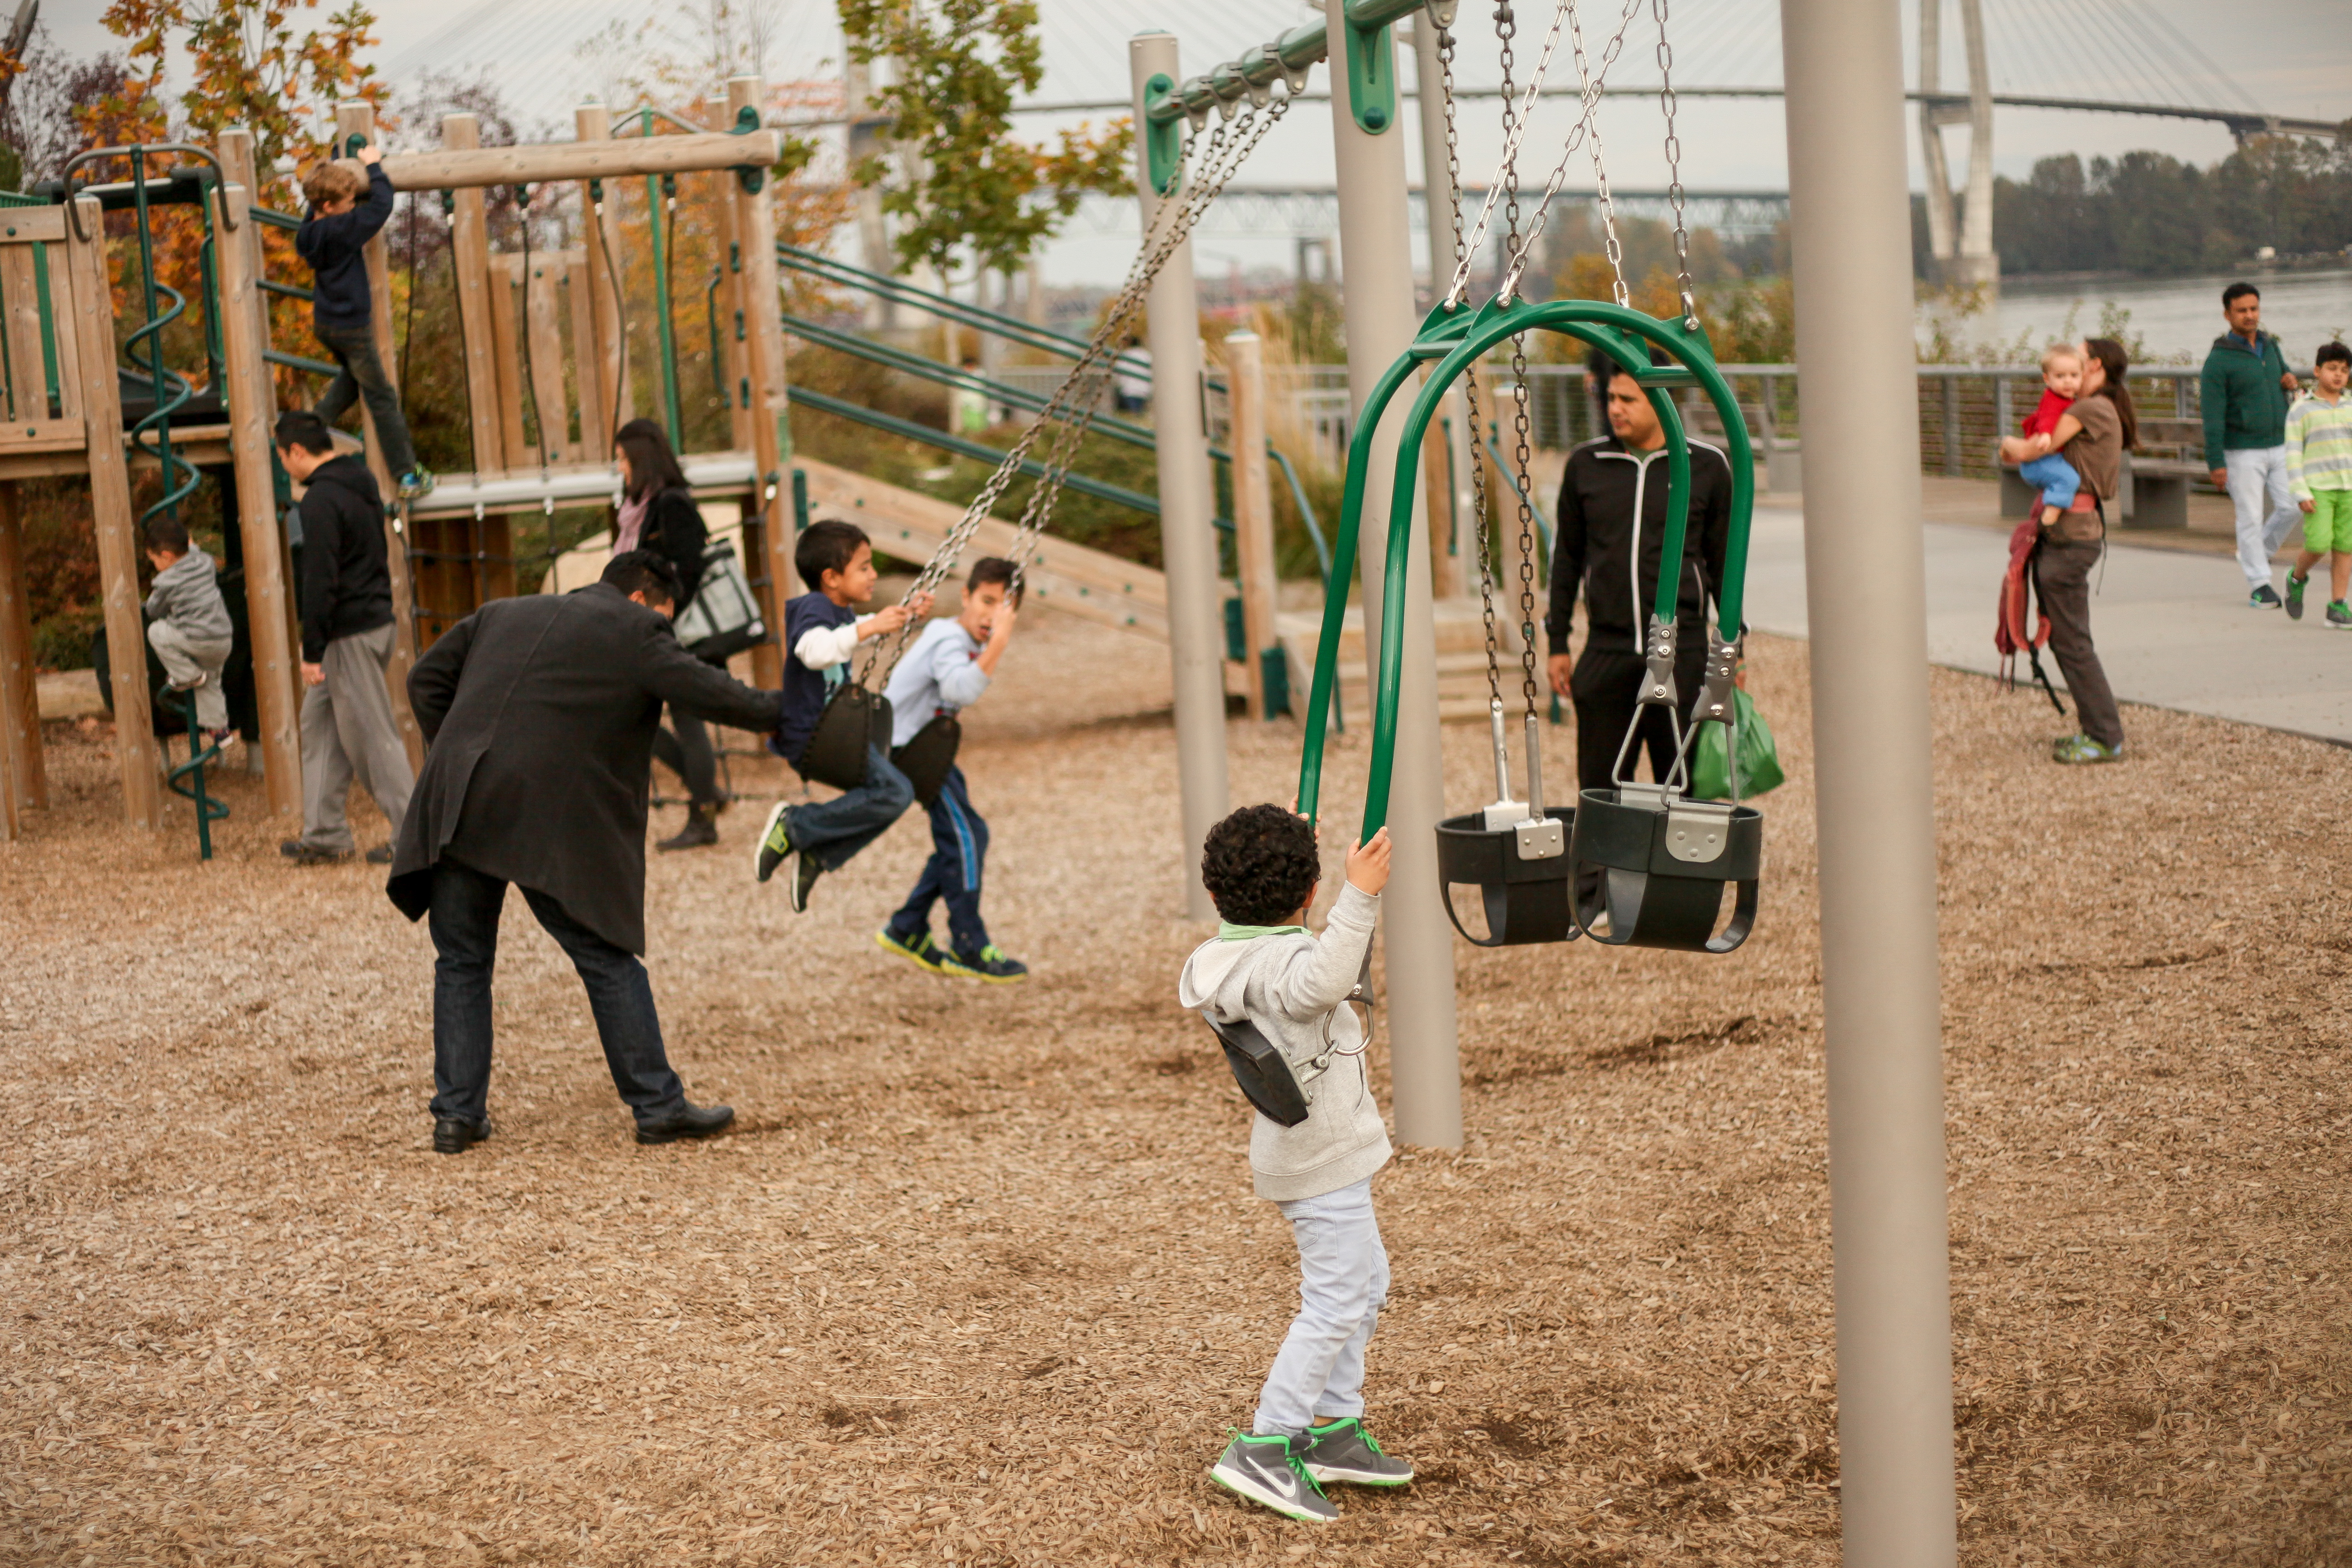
[1605, 484]
[346, 582]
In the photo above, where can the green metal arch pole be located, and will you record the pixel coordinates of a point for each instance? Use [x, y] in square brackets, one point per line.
[1417, 940]
[1196, 638]
[1866, 581]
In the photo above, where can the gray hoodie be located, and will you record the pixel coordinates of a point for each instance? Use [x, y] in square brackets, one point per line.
[186, 595]
[1290, 985]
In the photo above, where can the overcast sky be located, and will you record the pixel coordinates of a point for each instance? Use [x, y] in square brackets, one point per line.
[2289, 57]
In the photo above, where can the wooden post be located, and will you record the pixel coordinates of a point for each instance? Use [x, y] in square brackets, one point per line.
[505, 343]
[23, 778]
[469, 253]
[547, 398]
[237, 168]
[595, 428]
[772, 430]
[359, 119]
[594, 123]
[110, 505]
[274, 662]
[1252, 510]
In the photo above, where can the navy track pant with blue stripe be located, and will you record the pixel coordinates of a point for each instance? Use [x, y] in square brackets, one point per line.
[959, 847]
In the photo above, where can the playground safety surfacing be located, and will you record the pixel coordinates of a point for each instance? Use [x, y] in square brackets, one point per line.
[979, 1280]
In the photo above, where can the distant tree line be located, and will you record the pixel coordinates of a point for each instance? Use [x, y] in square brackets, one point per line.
[2147, 213]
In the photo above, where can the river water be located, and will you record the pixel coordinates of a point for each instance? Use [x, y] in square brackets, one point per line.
[2176, 318]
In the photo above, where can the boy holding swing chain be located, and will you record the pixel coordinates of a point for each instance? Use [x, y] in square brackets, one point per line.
[1261, 866]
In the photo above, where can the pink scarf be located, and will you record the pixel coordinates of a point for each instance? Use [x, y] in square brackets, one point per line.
[633, 520]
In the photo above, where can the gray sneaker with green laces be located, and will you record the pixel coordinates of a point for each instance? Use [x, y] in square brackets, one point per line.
[1344, 1451]
[1267, 1470]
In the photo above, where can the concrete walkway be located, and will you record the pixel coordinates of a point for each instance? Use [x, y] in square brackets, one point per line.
[2173, 627]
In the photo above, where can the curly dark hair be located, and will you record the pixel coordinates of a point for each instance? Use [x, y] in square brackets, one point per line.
[1260, 865]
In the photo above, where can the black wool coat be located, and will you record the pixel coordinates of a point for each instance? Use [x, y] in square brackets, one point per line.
[539, 713]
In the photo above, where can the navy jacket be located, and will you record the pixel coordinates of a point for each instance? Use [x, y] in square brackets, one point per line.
[332, 246]
[805, 690]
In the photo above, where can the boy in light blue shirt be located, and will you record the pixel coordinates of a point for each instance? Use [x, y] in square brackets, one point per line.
[947, 670]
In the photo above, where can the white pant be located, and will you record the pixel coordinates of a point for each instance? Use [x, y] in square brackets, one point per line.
[1343, 1282]
[2256, 476]
[188, 661]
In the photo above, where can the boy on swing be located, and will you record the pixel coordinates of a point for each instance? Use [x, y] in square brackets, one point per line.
[946, 670]
[1260, 866]
[821, 632]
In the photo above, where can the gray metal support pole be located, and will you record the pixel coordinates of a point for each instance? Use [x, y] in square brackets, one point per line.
[1375, 263]
[1866, 578]
[1196, 643]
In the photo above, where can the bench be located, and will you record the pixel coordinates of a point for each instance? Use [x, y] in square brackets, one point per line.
[2152, 492]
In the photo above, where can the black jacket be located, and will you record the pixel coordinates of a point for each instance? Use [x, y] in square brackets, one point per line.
[333, 244]
[539, 714]
[1594, 549]
[673, 526]
[346, 582]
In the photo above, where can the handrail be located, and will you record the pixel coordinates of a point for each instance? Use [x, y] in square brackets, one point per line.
[1254, 70]
[270, 217]
[931, 369]
[1028, 334]
[1119, 495]
[296, 361]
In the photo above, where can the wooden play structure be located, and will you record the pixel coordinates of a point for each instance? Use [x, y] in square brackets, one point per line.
[59, 393]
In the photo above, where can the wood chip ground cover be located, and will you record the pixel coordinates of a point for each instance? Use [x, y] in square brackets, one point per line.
[980, 1279]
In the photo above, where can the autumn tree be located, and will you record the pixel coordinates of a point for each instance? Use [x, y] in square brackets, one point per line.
[972, 192]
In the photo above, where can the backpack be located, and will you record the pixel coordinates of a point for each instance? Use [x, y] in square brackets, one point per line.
[2010, 633]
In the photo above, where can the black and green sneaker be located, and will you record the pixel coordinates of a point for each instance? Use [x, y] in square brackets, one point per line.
[918, 950]
[989, 964]
[804, 879]
[775, 846]
[2340, 616]
[2295, 583]
[1267, 1470]
[1344, 1451]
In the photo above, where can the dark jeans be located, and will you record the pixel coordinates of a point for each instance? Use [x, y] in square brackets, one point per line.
[362, 375]
[1603, 689]
[2061, 580]
[959, 848]
[831, 831]
[464, 920]
[687, 755]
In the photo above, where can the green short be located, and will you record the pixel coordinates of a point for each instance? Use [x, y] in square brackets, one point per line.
[2327, 526]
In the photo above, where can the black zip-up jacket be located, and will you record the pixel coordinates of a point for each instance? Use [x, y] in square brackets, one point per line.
[333, 244]
[346, 584]
[673, 526]
[1605, 484]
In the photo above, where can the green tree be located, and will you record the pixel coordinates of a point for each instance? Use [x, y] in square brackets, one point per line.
[976, 194]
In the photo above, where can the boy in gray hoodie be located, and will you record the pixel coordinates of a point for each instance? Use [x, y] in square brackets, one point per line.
[187, 622]
[1260, 866]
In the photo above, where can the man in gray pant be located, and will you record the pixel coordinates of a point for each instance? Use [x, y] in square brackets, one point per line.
[348, 730]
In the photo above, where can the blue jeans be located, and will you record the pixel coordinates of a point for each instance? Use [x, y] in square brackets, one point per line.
[2265, 509]
[1343, 1282]
[360, 374]
[464, 920]
[959, 847]
[2055, 477]
[831, 831]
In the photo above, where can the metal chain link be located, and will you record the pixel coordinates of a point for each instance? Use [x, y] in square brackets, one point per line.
[1072, 407]
[1586, 123]
[1482, 527]
[1520, 457]
[1674, 168]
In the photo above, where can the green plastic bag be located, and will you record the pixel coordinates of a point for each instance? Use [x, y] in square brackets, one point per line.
[1760, 759]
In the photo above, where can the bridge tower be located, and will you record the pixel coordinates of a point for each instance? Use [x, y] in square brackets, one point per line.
[1971, 260]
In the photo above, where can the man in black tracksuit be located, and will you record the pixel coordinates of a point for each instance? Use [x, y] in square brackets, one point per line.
[1612, 513]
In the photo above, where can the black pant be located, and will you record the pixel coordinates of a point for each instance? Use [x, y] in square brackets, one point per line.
[2061, 580]
[1603, 689]
[687, 755]
[464, 920]
[360, 374]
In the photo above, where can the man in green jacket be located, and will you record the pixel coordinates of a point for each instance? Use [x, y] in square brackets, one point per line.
[2245, 389]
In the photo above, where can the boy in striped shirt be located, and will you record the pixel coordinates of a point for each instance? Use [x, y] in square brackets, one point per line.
[2319, 476]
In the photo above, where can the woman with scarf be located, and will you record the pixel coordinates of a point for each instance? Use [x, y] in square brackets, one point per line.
[658, 512]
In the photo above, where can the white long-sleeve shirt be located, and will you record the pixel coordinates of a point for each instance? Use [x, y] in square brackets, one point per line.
[940, 672]
[822, 647]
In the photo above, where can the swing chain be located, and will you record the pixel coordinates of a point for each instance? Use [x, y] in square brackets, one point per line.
[1482, 527]
[1588, 105]
[1675, 167]
[1073, 406]
[1520, 457]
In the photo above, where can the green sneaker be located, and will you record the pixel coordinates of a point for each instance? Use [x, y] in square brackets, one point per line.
[2295, 586]
[775, 846]
[1344, 1451]
[2340, 616]
[918, 950]
[2082, 749]
[415, 483]
[1268, 1471]
[989, 964]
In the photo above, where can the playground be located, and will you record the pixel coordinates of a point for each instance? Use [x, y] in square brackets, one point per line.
[979, 1279]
